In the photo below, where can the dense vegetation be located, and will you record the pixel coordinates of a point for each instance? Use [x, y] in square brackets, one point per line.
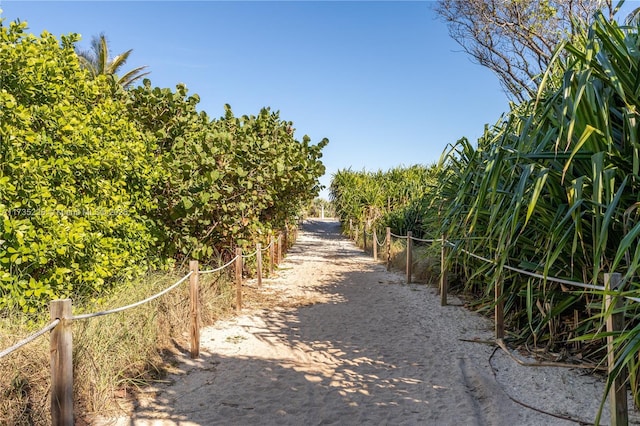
[554, 189]
[99, 183]
[551, 188]
[399, 198]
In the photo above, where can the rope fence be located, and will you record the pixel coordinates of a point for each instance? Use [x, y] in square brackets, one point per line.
[532, 274]
[133, 305]
[613, 298]
[30, 338]
[210, 271]
[250, 255]
[401, 237]
[62, 318]
[424, 241]
[511, 268]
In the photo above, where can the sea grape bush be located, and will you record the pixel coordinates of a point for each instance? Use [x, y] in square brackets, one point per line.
[227, 181]
[73, 175]
[99, 183]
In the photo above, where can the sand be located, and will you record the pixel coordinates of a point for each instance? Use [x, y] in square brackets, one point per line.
[351, 344]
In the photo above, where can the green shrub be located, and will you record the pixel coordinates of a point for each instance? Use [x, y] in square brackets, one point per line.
[74, 178]
[228, 181]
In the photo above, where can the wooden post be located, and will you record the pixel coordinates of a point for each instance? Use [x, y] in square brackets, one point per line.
[499, 308]
[356, 235]
[279, 248]
[375, 245]
[615, 323]
[350, 228]
[61, 357]
[285, 238]
[444, 284]
[194, 298]
[272, 254]
[388, 243]
[238, 279]
[259, 263]
[364, 236]
[409, 257]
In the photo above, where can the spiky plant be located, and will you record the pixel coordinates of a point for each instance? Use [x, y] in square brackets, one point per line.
[554, 188]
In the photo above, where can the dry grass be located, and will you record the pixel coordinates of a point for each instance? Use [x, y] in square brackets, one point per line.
[114, 355]
[24, 386]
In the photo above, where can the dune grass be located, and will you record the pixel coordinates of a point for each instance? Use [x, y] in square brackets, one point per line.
[114, 355]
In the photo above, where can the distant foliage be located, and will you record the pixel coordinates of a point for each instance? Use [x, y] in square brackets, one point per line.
[399, 198]
[318, 206]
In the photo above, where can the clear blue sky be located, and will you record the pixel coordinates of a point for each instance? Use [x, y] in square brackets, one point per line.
[382, 80]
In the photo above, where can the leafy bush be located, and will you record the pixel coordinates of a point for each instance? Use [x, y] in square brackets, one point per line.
[227, 181]
[99, 183]
[74, 178]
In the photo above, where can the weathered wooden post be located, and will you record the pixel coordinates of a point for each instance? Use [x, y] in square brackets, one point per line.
[350, 228]
[375, 245]
[61, 357]
[279, 248]
[409, 257]
[615, 323]
[364, 236]
[259, 263]
[194, 298]
[285, 238]
[388, 243]
[356, 235]
[272, 254]
[238, 279]
[444, 284]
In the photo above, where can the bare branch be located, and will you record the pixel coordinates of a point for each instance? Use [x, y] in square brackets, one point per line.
[515, 38]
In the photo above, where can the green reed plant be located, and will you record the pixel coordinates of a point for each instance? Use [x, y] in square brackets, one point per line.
[553, 188]
[399, 198]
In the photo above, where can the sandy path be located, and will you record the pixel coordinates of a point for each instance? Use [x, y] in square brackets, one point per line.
[364, 349]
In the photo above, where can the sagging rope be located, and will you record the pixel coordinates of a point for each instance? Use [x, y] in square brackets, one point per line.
[30, 338]
[133, 305]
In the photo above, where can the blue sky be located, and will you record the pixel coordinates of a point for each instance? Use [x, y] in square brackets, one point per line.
[382, 80]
